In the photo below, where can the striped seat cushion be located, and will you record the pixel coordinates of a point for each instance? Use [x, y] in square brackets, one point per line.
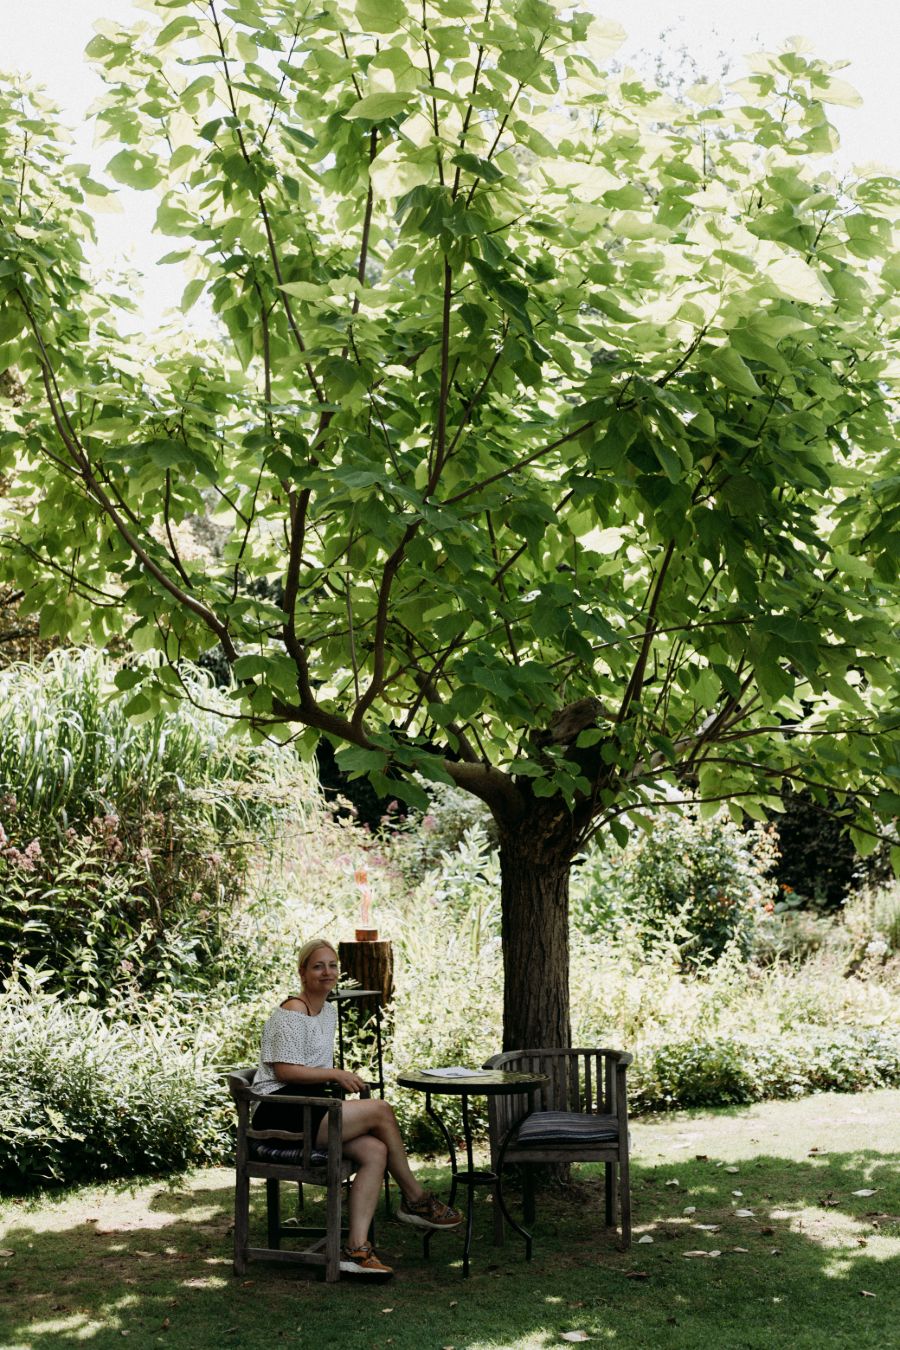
[274, 1153]
[566, 1127]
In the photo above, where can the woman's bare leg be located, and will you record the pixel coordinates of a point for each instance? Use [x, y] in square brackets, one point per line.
[375, 1117]
[370, 1156]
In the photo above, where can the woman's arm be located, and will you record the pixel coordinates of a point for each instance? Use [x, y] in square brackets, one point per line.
[303, 1074]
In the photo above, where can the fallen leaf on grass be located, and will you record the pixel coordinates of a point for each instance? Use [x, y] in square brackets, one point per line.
[645, 1238]
[689, 1209]
[743, 1214]
[733, 1170]
[636, 1275]
[738, 1193]
[864, 1191]
[701, 1157]
[743, 1250]
[387, 1310]
[6, 1251]
[707, 1227]
[867, 1293]
[776, 1251]
[673, 1182]
[767, 1232]
[697, 1253]
[574, 1336]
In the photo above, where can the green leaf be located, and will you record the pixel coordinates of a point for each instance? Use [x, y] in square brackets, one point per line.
[135, 169]
[730, 367]
[481, 168]
[379, 107]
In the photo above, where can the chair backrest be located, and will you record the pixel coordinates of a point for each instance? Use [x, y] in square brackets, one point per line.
[581, 1080]
[239, 1083]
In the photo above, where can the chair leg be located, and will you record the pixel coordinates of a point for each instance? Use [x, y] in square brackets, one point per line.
[273, 1211]
[609, 1193]
[625, 1200]
[241, 1222]
[299, 1198]
[528, 1193]
[333, 1234]
[498, 1219]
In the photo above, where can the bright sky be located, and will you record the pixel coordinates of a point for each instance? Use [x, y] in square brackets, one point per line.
[48, 37]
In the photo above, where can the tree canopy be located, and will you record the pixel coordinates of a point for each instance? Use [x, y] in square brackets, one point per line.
[548, 425]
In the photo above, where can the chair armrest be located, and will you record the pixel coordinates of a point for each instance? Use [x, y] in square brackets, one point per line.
[295, 1100]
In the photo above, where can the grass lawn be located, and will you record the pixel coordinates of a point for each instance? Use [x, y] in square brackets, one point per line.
[812, 1265]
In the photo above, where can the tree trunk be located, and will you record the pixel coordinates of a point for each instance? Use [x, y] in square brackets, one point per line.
[534, 888]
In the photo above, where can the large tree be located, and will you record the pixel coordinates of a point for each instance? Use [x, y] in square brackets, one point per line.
[547, 418]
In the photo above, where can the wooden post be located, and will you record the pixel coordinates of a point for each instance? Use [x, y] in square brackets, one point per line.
[371, 964]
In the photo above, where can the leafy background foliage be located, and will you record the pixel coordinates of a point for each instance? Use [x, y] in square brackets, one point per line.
[124, 849]
[552, 386]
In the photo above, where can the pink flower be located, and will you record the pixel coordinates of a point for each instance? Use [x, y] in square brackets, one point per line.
[429, 823]
[33, 850]
[393, 806]
[126, 967]
[145, 855]
[3, 839]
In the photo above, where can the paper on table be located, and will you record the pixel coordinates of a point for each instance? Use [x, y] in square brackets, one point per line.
[456, 1071]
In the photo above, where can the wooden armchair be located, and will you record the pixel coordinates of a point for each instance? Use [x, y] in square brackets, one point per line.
[282, 1155]
[582, 1117]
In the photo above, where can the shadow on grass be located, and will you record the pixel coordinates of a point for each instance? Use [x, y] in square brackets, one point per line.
[155, 1266]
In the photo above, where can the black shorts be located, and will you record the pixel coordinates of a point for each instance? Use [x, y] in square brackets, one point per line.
[270, 1116]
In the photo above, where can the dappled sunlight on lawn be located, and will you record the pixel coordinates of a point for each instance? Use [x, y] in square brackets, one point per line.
[759, 1226]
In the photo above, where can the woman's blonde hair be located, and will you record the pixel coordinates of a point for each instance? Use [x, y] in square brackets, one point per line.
[307, 950]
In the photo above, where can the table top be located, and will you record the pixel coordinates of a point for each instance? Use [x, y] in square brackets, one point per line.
[492, 1083]
[341, 995]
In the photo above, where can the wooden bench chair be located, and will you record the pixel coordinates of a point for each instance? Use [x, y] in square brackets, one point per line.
[582, 1117]
[282, 1155]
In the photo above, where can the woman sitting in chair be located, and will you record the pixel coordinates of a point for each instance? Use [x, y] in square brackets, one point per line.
[297, 1057]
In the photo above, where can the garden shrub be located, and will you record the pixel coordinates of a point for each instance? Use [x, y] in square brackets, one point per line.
[426, 841]
[702, 884]
[85, 1095]
[124, 847]
[720, 1070]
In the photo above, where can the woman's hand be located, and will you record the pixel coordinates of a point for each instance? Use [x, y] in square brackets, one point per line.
[350, 1082]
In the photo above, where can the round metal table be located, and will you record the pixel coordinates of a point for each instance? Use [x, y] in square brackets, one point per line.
[494, 1083]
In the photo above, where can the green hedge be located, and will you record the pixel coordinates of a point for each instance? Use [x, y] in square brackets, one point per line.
[725, 1071]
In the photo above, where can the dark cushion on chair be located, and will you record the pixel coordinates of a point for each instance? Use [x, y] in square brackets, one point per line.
[549, 1128]
[291, 1157]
